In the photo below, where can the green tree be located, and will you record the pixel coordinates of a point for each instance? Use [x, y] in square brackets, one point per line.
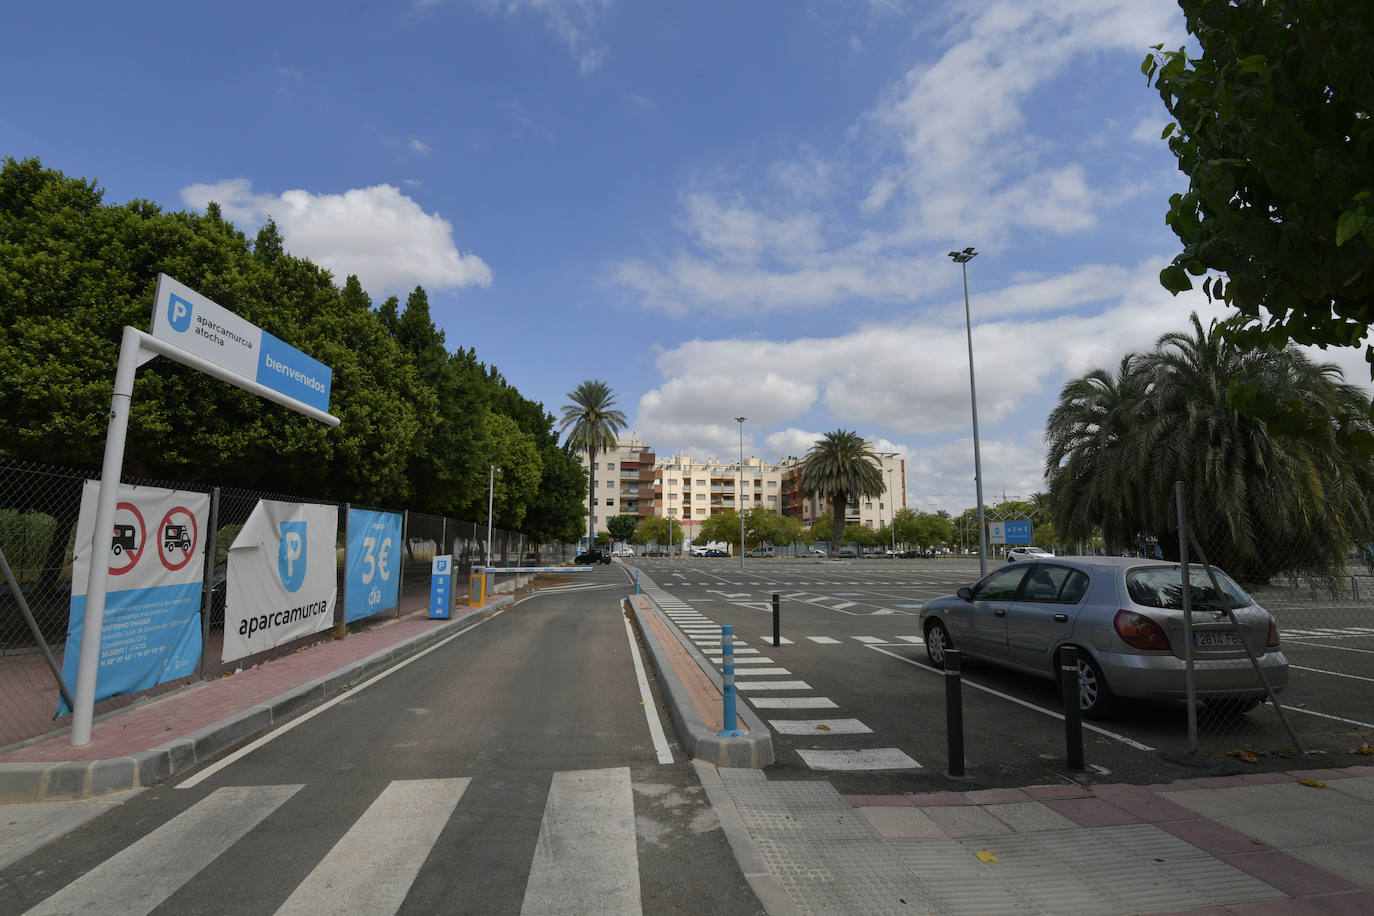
[840, 467]
[1260, 500]
[723, 526]
[822, 528]
[622, 527]
[515, 453]
[593, 423]
[1274, 126]
[656, 528]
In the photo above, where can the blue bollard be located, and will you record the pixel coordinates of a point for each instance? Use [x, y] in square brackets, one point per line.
[636, 582]
[727, 668]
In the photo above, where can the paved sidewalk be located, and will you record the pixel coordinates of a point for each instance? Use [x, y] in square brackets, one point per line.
[153, 741]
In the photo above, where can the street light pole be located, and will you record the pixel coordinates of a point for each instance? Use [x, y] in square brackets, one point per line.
[892, 506]
[962, 258]
[491, 492]
[740, 502]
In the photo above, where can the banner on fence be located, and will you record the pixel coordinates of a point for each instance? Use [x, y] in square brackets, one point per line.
[281, 577]
[374, 544]
[151, 631]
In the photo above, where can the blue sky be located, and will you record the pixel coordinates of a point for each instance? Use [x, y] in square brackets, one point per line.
[719, 208]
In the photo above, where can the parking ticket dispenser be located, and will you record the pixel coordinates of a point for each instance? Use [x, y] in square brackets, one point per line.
[477, 587]
[440, 588]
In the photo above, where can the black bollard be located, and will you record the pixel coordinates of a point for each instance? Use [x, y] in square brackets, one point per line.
[954, 713]
[777, 620]
[1073, 716]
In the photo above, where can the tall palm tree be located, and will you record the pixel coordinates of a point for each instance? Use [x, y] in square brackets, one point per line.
[1260, 498]
[595, 424]
[840, 466]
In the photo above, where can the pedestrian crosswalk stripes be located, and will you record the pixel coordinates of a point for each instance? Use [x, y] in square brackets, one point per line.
[584, 860]
[373, 864]
[137, 879]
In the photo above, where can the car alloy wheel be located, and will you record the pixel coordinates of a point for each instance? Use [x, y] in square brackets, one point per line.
[937, 641]
[1095, 698]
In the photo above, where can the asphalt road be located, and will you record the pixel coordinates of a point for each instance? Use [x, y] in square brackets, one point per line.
[511, 767]
[855, 641]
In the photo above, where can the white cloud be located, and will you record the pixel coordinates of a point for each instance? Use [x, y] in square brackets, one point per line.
[1149, 130]
[419, 146]
[948, 151]
[378, 233]
[573, 21]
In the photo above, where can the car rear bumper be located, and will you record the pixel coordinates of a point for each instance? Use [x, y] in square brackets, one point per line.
[1162, 677]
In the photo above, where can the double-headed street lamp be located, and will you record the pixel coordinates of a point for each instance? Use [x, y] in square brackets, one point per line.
[962, 258]
[892, 504]
[740, 502]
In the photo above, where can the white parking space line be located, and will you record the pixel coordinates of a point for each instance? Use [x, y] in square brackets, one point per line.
[792, 702]
[761, 672]
[1353, 677]
[761, 660]
[819, 727]
[912, 639]
[774, 685]
[871, 758]
[782, 640]
[842, 605]
[1129, 742]
[871, 640]
[824, 640]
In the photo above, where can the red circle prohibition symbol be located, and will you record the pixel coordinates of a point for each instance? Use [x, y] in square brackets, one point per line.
[136, 552]
[162, 538]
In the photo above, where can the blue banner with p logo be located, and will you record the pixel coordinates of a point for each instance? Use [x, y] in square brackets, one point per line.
[374, 563]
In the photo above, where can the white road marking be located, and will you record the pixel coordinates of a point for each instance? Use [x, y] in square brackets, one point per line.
[1354, 677]
[585, 859]
[782, 640]
[871, 758]
[871, 640]
[912, 639]
[817, 727]
[1323, 715]
[824, 640]
[646, 697]
[247, 749]
[842, 605]
[761, 672]
[774, 685]
[1129, 742]
[371, 868]
[135, 880]
[792, 702]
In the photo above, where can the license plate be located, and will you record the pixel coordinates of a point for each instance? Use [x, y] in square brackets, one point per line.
[1224, 638]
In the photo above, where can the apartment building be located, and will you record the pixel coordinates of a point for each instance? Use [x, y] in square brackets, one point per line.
[631, 480]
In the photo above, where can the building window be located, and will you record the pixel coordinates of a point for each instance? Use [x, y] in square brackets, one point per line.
[772, 499]
[701, 497]
[595, 484]
[772, 483]
[868, 505]
[610, 502]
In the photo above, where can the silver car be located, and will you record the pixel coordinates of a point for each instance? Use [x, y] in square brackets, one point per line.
[1125, 616]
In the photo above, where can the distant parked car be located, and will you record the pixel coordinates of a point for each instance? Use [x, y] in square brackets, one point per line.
[847, 553]
[713, 552]
[595, 555]
[1125, 617]
[817, 552]
[1027, 553]
[624, 550]
[762, 552]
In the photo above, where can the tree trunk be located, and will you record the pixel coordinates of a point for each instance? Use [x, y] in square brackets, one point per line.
[839, 502]
[591, 496]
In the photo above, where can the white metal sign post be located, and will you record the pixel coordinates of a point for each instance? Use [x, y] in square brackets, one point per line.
[196, 332]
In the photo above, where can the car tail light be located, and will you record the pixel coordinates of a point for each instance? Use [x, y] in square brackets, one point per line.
[1140, 632]
[1273, 641]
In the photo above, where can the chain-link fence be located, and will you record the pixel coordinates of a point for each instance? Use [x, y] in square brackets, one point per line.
[39, 508]
[1291, 628]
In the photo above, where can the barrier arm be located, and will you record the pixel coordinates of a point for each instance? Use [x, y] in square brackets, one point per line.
[135, 348]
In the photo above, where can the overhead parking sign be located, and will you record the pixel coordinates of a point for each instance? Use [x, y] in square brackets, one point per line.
[186, 319]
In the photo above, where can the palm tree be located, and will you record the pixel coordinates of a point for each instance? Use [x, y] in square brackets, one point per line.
[1260, 498]
[1088, 434]
[594, 425]
[840, 466]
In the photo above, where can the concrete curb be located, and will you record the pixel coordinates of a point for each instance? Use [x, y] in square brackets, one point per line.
[753, 750]
[66, 781]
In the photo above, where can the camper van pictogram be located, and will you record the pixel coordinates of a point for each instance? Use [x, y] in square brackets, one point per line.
[123, 539]
[174, 536]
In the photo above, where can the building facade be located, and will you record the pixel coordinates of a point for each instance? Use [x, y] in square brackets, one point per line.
[631, 480]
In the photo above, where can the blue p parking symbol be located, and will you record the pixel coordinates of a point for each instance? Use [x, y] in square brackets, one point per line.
[178, 313]
[291, 557]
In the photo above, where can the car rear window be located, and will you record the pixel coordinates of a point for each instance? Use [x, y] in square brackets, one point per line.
[1162, 586]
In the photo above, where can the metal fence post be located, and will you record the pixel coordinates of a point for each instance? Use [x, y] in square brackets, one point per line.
[727, 669]
[1073, 715]
[1190, 684]
[207, 602]
[954, 713]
